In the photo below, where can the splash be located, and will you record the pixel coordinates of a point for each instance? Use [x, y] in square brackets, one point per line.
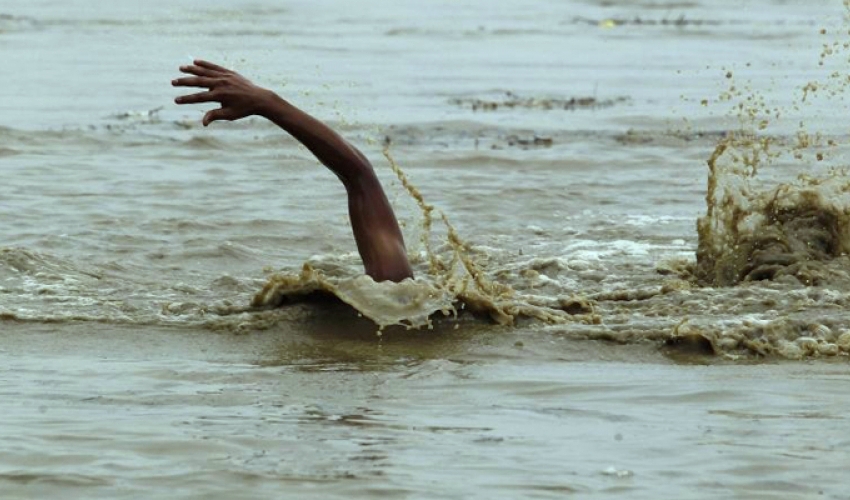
[453, 282]
[757, 228]
[410, 303]
[799, 229]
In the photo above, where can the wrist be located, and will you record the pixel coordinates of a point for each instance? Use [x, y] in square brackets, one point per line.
[272, 106]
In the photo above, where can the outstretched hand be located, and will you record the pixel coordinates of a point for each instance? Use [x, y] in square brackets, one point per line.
[236, 94]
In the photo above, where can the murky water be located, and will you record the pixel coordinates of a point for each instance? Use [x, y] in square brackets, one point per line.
[587, 336]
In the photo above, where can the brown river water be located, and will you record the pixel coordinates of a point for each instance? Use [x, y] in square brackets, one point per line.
[630, 225]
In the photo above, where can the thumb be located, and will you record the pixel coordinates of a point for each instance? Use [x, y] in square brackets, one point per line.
[217, 114]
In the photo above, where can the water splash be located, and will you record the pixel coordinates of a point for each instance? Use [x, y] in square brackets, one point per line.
[759, 228]
[454, 281]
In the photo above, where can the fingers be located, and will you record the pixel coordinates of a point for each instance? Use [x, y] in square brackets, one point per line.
[206, 75]
[198, 71]
[219, 114]
[195, 81]
[207, 96]
[210, 66]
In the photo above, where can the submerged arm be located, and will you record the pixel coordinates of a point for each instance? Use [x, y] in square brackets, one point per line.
[376, 231]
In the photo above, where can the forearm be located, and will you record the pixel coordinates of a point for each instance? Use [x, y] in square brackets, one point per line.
[376, 230]
[330, 148]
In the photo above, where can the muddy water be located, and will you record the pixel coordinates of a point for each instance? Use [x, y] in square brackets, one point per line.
[630, 244]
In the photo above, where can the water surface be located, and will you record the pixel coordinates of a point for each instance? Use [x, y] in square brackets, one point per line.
[567, 144]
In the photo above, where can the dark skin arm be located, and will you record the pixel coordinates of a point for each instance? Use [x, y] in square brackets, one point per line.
[376, 229]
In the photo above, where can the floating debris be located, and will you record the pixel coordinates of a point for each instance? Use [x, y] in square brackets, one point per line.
[512, 101]
[678, 22]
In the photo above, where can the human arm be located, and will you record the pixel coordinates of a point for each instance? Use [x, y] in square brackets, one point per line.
[376, 230]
